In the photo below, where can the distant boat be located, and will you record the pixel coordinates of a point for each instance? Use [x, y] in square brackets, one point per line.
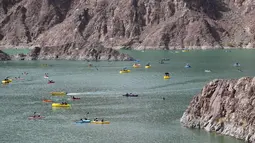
[207, 70]
[236, 65]
[187, 66]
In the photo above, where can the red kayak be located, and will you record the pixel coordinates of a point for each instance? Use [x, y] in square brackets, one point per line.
[35, 117]
[50, 82]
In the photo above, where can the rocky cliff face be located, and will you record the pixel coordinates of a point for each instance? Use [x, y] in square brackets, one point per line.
[226, 107]
[140, 24]
[4, 56]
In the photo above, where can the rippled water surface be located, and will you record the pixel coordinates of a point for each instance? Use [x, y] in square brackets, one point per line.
[145, 119]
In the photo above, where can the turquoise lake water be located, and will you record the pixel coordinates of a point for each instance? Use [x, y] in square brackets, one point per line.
[145, 119]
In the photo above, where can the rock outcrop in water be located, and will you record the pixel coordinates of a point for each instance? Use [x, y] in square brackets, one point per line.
[226, 107]
[140, 24]
[4, 56]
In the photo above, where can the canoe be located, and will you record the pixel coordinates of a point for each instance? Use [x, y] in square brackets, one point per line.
[60, 105]
[125, 71]
[148, 66]
[36, 117]
[58, 93]
[100, 122]
[167, 77]
[83, 121]
[47, 100]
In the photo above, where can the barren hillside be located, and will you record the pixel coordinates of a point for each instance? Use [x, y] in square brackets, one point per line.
[157, 24]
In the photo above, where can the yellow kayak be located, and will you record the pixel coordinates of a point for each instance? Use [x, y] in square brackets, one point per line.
[100, 122]
[136, 66]
[124, 71]
[60, 105]
[148, 66]
[6, 81]
[167, 77]
[58, 93]
[185, 50]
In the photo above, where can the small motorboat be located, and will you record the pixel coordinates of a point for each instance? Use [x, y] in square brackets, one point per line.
[130, 95]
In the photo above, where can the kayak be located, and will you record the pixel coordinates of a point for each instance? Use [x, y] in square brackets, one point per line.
[167, 77]
[125, 71]
[136, 66]
[148, 66]
[50, 82]
[75, 98]
[130, 95]
[47, 100]
[100, 122]
[58, 93]
[207, 71]
[83, 121]
[60, 105]
[6, 81]
[36, 117]
[46, 77]
[184, 50]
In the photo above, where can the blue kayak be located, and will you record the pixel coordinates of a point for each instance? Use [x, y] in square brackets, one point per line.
[83, 121]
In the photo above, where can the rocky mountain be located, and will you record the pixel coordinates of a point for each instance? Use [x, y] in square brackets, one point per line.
[139, 24]
[226, 107]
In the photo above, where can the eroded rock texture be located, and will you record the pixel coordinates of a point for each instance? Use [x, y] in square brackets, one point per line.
[226, 107]
[140, 24]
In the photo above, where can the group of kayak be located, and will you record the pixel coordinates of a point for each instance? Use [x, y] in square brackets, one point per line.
[8, 80]
[148, 65]
[136, 65]
[62, 104]
[46, 75]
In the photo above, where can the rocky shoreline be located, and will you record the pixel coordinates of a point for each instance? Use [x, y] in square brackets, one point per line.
[226, 107]
[4, 56]
[96, 52]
